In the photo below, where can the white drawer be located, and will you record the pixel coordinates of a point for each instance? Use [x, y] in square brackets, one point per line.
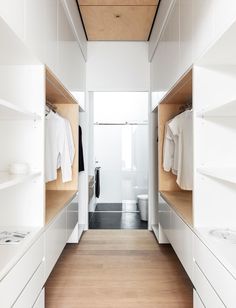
[181, 238]
[73, 207]
[164, 216]
[55, 241]
[31, 292]
[221, 280]
[15, 281]
[209, 297]
[40, 302]
[197, 302]
[72, 220]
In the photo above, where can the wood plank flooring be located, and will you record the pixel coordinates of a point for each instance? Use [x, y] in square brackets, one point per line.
[118, 269]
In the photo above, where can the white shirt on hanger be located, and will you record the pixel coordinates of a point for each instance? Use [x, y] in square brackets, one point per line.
[56, 148]
[170, 150]
[182, 127]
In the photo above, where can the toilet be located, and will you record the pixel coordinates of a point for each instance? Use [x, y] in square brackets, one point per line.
[143, 206]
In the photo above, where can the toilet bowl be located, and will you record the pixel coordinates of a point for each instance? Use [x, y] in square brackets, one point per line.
[143, 206]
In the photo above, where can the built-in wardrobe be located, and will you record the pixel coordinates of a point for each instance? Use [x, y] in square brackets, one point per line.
[200, 224]
[44, 215]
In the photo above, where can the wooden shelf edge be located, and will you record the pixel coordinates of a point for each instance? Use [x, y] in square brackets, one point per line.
[181, 203]
[56, 201]
[56, 92]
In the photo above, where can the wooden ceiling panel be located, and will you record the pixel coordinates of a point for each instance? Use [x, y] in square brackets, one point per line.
[118, 2]
[118, 23]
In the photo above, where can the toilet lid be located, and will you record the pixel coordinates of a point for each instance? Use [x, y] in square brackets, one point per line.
[142, 197]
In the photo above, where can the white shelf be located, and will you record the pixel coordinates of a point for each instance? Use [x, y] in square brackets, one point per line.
[9, 111]
[227, 174]
[225, 110]
[8, 180]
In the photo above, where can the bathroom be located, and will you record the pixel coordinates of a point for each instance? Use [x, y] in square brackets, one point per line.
[118, 165]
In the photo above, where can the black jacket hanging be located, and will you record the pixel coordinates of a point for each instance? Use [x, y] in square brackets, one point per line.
[97, 182]
[81, 155]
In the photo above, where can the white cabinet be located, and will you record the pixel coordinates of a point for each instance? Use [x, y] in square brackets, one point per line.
[220, 279]
[72, 217]
[40, 302]
[20, 274]
[197, 302]
[207, 293]
[179, 235]
[32, 290]
[55, 241]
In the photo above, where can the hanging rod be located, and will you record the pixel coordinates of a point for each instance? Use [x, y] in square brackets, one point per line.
[125, 123]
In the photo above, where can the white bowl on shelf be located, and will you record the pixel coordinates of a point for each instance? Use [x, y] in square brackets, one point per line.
[19, 168]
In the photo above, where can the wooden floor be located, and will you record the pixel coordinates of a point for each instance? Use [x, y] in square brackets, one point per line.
[118, 269]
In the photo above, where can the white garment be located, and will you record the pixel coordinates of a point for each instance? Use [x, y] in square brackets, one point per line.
[170, 150]
[182, 127]
[56, 148]
[70, 143]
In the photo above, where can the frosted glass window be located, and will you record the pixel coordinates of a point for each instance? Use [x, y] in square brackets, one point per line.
[120, 107]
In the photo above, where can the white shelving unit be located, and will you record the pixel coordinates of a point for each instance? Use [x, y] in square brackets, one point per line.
[8, 180]
[225, 110]
[227, 174]
[9, 111]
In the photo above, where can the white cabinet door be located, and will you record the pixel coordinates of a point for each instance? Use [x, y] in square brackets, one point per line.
[221, 280]
[32, 290]
[72, 218]
[204, 289]
[164, 216]
[20, 274]
[55, 241]
[40, 303]
[197, 302]
[182, 241]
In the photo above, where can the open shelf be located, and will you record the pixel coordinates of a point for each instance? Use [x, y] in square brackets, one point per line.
[227, 174]
[56, 92]
[9, 111]
[56, 200]
[225, 110]
[181, 202]
[8, 180]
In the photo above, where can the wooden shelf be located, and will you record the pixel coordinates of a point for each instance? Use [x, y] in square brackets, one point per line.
[9, 111]
[181, 202]
[56, 200]
[225, 110]
[227, 174]
[56, 92]
[8, 180]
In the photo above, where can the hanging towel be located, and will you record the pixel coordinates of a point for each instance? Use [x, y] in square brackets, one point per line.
[97, 182]
[81, 155]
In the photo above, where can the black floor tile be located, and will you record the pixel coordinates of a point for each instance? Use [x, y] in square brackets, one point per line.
[103, 220]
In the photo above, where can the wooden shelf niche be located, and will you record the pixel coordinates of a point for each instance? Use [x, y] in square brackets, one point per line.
[67, 107]
[168, 108]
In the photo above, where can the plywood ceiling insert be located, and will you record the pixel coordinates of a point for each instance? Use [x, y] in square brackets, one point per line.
[118, 2]
[118, 22]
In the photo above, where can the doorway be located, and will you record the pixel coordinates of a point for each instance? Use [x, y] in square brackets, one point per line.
[120, 160]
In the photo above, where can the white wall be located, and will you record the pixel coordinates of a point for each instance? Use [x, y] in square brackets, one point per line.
[44, 27]
[191, 28]
[117, 66]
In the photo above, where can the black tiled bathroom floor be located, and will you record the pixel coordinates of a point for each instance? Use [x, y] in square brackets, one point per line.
[117, 220]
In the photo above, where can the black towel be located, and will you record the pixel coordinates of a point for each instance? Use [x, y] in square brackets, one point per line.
[81, 155]
[97, 183]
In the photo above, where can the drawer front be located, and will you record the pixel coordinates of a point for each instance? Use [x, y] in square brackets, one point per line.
[73, 207]
[204, 289]
[40, 302]
[15, 281]
[55, 241]
[181, 238]
[32, 290]
[197, 302]
[72, 220]
[218, 276]
[164, 216]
